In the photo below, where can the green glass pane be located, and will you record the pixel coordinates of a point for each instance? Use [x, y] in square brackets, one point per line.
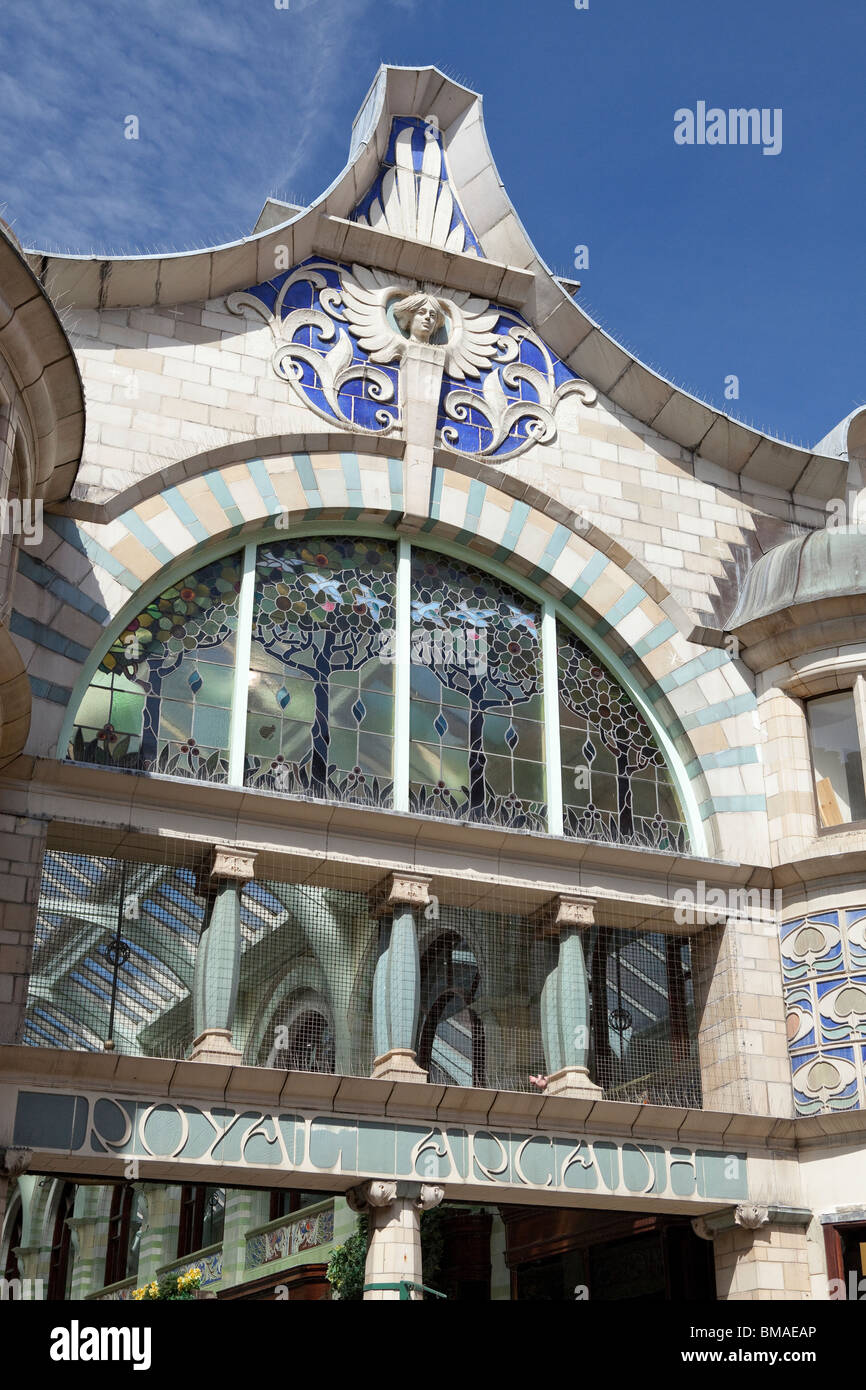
[424, 685]
[344, 749]
[455, 767]
[424, 762]
[668, 802]
[528, 780]
[604, 792]
[379, 716]
[262, 737]
[94, 709]
[175, 720]
[261, 660]
[210, 726]
[343, 697]
[575, 790]
[126, 712]
[643, 797]
[217, 684]
[499, 775]
[294, 740]
[530, 744]
[375, 754]
[378, 675]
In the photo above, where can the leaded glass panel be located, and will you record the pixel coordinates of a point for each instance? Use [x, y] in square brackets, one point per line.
[160, 700]
[321, 706]
[615, 782]
[477, 736]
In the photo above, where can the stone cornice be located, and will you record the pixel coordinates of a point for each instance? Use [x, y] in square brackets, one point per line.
[109, 811]
[271, 1088]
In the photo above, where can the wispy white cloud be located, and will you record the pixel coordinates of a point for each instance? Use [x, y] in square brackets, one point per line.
[232, 102]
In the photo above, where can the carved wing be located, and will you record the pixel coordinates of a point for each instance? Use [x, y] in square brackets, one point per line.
[365, 294]
[472, 342]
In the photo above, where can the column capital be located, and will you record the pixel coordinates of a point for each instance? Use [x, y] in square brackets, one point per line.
[14, 1161]
[400, 889]
[371, 1194]
[229, 862]
[377, 1193]
[564, 910]
[751, 1216]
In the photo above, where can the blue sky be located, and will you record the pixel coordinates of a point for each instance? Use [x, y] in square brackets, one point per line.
[704, 261]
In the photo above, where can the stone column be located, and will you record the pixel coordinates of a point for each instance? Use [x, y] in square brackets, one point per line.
[160, 1221]
[565, 999]
[394, 1246]
[761, 1252]
[89, 1240]
[397, 979]
[218, 959]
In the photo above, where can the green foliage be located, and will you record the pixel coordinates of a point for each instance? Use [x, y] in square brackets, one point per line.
[345, 1271]
[172, 1288]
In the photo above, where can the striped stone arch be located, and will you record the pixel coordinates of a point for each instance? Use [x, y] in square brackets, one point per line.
[91, 575]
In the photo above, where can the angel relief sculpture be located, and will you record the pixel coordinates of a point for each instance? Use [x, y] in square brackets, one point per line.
[341, 338]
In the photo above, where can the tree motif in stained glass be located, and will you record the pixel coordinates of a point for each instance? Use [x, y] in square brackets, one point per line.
[477, 738]
[160, 700]
[320, 718]
[615, 782]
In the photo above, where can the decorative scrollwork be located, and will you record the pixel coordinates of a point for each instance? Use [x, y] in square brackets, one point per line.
[517, 401]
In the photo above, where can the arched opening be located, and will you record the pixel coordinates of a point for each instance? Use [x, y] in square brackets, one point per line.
[61, 1259]
[124, 1234]
[451, 1046]
[15, 1231]
[302, 1036]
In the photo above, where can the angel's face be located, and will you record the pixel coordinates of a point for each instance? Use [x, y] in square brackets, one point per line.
[424, 322]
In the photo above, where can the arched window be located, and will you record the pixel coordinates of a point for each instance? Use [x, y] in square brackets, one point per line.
[15, 1229]
[303, 1037]
[61, 1258]
[124, 1229]
[451, 1044]
[161, 696]
[321, 706]
[477, 733]
[355, 643]
[202, 1218]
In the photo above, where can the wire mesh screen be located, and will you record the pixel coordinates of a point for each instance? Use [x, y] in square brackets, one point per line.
[320, 980]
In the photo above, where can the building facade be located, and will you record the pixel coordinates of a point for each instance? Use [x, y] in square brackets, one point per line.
[432, 763]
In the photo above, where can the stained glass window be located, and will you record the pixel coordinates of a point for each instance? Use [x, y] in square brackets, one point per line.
[318, 717]
[321, 700]
[615, 782]
[477, 736]
[160, 700]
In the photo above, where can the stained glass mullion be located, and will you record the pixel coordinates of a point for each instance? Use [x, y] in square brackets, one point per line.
[552, 749]
[402, 673]
[241, 687]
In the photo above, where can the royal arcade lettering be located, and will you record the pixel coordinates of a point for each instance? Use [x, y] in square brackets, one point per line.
[292, 1141]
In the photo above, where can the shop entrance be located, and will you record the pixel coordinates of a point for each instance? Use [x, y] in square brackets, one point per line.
[557, 1255]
